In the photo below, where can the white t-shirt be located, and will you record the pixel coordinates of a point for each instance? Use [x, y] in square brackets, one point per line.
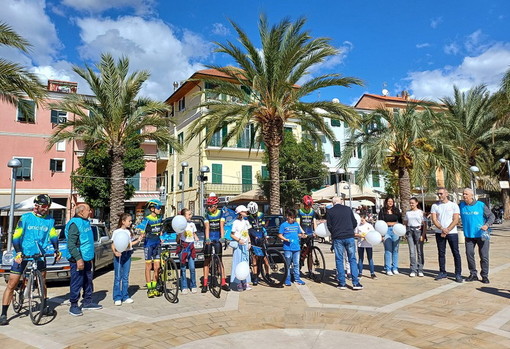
[444, 214]
[362, 229]
[240, 229]
[414, 218]
[123, 231]
[187, 235]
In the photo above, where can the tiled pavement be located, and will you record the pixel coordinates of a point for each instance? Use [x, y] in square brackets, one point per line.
[391, 312]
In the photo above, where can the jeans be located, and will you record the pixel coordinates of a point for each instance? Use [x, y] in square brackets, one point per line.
[483, 251]
[361, 251]
[292, 260]
[453, 241]
[391, 245]
[415, 249]
[350, 247]
[81, 279]
[192, 277]
[121, 267]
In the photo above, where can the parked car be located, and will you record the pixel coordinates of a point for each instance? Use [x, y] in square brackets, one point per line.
[103, 254]
[273, 223]
[169, 236]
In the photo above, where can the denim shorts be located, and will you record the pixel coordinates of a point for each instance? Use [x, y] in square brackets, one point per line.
[17, 268]
[151, 253]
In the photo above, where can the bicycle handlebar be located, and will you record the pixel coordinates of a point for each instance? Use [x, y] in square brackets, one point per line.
[39, 255]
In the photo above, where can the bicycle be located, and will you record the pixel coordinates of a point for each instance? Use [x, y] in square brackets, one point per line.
[215, 268]
[31, 285]
[168, 277]
[273, 263]
[315, 261]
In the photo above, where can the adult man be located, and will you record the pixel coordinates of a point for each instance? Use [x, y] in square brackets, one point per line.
[80, 253]
[476, 220]
[31, 237]
[214, 224]
[341, 223]
[151, 228]
[445, 217]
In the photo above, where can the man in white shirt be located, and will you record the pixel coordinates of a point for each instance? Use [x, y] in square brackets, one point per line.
[445, 217]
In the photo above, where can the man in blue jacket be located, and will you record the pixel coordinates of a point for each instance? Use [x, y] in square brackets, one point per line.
[476, 220]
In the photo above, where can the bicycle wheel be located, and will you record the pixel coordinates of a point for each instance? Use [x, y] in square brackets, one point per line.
[36, 299]
[19, 295]
[215, 276]
[275, 276]
[170, 279]
[316, 264]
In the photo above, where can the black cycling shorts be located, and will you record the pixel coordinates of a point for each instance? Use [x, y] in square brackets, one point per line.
[18, 268]
[208, 248]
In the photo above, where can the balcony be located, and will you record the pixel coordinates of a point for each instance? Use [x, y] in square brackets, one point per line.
[228, 188]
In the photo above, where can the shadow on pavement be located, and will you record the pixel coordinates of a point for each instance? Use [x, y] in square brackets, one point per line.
[495, 291]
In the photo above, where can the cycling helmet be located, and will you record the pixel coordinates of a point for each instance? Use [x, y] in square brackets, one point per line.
[307, 200]
[253, 208]
[212, 200]
[42, 199]
[154, 203]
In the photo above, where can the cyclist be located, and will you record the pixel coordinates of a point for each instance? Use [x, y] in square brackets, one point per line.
[257, 236]
[31, 237]
[151, 228]
[306, 219]
[214, 223]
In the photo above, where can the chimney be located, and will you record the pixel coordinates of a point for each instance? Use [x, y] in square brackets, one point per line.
[405, 95]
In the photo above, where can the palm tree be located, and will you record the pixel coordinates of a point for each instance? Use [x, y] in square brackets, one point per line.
[410, 144]
[16, 81]
[114, 117]
[269, 95]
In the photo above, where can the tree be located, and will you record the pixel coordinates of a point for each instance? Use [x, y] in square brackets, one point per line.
[409, 143]
[301, 170]
[114, 118]
[16, 81]
[263, 91]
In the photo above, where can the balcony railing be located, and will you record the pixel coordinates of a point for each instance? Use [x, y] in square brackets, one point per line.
[229, 189]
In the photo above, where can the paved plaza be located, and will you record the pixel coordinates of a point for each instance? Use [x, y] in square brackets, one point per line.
[390, 312]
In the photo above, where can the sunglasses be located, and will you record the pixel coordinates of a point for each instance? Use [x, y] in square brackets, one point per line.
[44, 206]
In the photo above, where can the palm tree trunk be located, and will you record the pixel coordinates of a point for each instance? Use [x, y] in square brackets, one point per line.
[117, 185]
[505, 199]
[274, 176]
[404, 185]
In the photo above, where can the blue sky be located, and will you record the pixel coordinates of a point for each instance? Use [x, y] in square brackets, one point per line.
[424, 47]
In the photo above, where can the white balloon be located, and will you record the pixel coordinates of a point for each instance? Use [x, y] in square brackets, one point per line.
[381, 227]
[179, 224]
[322, 230]
[242, 271]
[399, 229]
[373, 237]
[121, 241]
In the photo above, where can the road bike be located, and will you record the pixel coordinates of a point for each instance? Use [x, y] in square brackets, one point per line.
[168, 277]
[311, 256]
[215, 268]
[270, 264]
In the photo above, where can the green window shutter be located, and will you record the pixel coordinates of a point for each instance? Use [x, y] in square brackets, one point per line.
[180, 138]
[246, 178]
[360, 152]
[24, 172]
[172, 182]
[337, 151]
[264, 172]
[54, 116]
[217, 174]
[190, 177]
[376, 182]
[335, 122]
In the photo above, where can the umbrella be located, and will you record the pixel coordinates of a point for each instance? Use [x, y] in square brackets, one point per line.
[28, 205]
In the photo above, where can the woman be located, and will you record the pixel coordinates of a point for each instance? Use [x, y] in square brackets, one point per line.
[415, 237]
[391, 215]
[240, 235]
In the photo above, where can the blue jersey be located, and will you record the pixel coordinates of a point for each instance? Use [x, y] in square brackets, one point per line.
[214, 220]
[291, 232]
[34, 233]
[305, 219]
[151, 226]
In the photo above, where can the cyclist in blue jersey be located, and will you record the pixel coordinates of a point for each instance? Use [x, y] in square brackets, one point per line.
[151, 228]
[214, 224]
[306, 219]
[34, 232]
[257, 236]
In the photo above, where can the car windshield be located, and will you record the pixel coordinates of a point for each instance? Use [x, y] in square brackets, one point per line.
[274, 221]
[167, 225]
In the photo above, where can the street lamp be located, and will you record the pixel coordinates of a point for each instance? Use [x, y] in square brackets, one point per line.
[474, 169]
[202, 178]
[162, 194]
[503, 160]
[184, 164]
[422, 197]
[14, 164]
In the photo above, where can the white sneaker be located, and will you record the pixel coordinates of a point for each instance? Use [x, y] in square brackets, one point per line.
[248, 288]
[194, 290]
[420, 274]
[395, 272]
[413, 274]
[389, 273]
[118, 303]
[185, 291]
[128, 301]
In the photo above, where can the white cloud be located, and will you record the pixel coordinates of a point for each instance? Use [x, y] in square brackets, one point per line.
[220, 29]
[423, 45]
[434, 22]
[473, 44]
[451, 49]
[141, 7]
[486, 68]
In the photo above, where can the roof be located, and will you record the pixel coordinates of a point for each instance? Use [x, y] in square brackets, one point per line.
[387, 99]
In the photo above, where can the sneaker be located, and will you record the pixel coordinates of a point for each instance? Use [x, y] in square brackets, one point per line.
[118, 303]
[255, 281]
[348, 276]
[204, 289]
[240, 288]
[395, 272]
[485, 280]
[225, 287]
[3, 320]
[75, 310]
[342, 287]
[412, 274]
[150, 293]
[300, 282]
[459, 279]
[420, 274]
[92, 306]
[194, 290]
[373, 276]
[287, 283]
[360, 276]
[389, 273]
[472, 277]
[248, 288]
[184, 291]
[440, 276]
[128, 301]
[358, 286]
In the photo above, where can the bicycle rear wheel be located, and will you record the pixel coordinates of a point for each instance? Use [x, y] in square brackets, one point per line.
[36, 298]
[316, 264]
[275, 276]
[170, 280]
[18, 296]
[215, 276]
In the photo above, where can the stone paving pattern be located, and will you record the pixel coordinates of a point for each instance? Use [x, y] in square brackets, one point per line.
[392, 310]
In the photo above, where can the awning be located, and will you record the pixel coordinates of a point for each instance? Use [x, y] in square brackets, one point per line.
[251, 195]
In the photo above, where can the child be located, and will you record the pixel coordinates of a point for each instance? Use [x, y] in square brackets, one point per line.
[363, 245]
[122, 261]
[187, 253]
[240, 234]
[290, 232]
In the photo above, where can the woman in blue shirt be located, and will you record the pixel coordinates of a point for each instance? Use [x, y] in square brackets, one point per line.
[290, 232]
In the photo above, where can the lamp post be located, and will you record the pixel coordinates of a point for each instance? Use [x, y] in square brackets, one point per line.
[184, 164]
[202, 179]
[474, 170]
[503, 160]
[14, 164]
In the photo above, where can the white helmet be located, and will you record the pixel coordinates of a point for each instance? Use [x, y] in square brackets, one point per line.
[241, 208]
[253, 207]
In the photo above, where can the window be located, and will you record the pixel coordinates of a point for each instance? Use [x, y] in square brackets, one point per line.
[210, 93]
[182, 104]
[264, 172]
[327, 158]
[360, 153]
[58, 116]
[247, 92]
[335, 122]
[134, 181]
[217, 170]
[375, 179]
[217, 138]
[25, 171]
[190, 177]
[246, 137]
[337, 150]
[287, 129]
[246, 177]
[61, 146]
[180, 138]
[56, 165]
[26, 111]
